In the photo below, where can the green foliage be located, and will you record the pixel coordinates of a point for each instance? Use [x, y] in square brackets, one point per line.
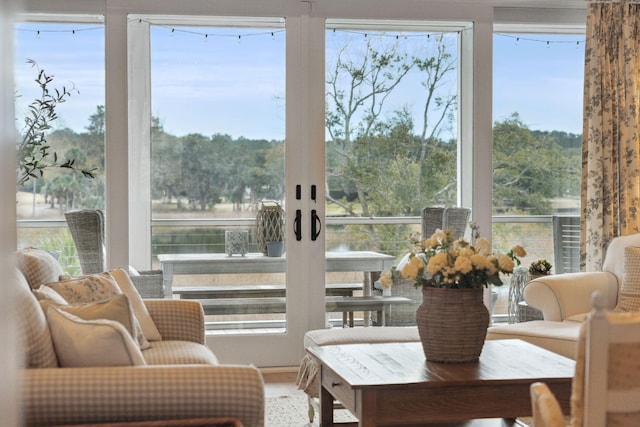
[532, 168]
[35, 154]
[215, 168]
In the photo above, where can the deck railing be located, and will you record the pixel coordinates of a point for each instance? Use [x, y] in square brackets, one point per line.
[555, 238]
[544, 236]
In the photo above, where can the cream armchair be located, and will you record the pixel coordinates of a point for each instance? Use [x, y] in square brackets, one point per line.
[565, 300]
[568, 296]
[179, 380]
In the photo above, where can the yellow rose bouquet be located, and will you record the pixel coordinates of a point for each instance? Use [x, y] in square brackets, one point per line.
[441, 261]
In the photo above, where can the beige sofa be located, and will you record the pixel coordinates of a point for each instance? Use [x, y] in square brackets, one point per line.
[564, 300]
[178, 377]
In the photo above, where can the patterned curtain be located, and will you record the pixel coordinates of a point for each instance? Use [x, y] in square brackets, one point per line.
[611, 133]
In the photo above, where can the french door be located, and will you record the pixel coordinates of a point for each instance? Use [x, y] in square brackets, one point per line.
[228, 134]
[265, 85]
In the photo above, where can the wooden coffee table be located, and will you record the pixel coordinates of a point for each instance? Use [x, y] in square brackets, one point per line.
[393, 384]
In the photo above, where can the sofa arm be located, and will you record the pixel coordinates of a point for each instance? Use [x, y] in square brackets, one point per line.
[114, 394]
[564, 295]
[178, 319]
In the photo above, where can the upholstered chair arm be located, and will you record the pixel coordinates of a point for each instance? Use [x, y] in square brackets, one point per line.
[562, 296]
[178, 319]
[545, 407]
[61, 396]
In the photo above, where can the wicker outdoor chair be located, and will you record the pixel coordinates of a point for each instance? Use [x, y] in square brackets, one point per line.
[401, 314]
[87, 230]
[434, 218]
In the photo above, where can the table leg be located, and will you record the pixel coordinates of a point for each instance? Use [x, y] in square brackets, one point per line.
[366, 291]
[385, 315]
[382, 317]
[326, 408]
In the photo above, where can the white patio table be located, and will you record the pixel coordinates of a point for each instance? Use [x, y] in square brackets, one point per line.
[172, 264]
[220, 263]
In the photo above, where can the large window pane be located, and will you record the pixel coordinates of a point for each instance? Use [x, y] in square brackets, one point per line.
[217, 147]
[538, 85]
[66, 60]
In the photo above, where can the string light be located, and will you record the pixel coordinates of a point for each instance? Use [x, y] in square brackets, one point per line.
[272, 34]
[547, 42]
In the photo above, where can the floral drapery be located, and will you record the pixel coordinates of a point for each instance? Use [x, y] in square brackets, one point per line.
[611, 129]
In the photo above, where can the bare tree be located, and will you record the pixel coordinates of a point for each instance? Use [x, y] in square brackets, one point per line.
[367, 135]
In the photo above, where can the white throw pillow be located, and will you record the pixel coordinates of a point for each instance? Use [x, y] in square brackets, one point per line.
[116, 308]
[87, 343]
[92, 288]
[45, 293]
[137, 304]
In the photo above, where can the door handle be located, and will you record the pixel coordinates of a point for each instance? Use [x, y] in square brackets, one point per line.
[316, 225]
[297, 225]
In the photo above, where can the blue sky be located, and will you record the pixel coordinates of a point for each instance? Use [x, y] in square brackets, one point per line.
[542, 82]
[224, 84]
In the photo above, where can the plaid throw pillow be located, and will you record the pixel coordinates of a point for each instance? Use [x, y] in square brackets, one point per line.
[38, 266]
[629, 293]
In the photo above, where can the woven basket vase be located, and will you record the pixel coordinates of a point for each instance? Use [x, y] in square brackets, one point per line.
[269, 225]
[452, 324]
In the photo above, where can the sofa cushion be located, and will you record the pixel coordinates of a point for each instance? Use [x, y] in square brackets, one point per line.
[93, 288]
[86, 343]
[45, 293]
[33, 328]
[179, 353]
[559, 337]
[85, 289]
[125, 285]
[116, 308]
[142, 314]
[580, 317]
[614, 259]
[320, 337]
[629, 293]
[38, 266]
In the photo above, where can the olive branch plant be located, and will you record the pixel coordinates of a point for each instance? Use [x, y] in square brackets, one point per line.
[35, 155]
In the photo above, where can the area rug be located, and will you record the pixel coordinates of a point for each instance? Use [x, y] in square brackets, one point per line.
[292, 411]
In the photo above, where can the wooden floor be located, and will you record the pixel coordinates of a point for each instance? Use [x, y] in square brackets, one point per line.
[280, 382]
